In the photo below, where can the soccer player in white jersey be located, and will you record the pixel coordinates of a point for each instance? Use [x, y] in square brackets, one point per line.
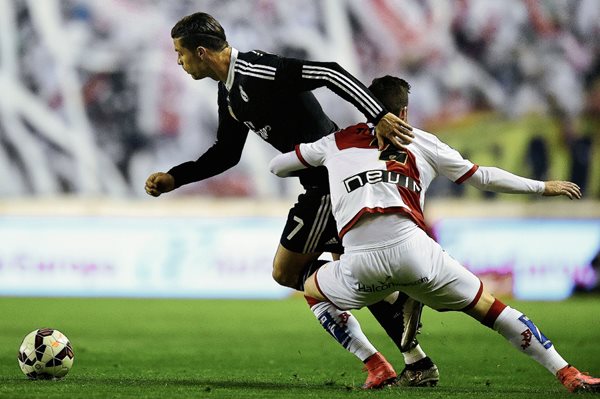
[378, 200]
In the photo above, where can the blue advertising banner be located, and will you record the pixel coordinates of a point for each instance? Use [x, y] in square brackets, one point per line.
[538, 259]
[231, 257]
[139, 257]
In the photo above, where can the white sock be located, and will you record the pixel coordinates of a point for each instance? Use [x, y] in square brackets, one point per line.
[527, 338]
[344, 327]
[414, 355]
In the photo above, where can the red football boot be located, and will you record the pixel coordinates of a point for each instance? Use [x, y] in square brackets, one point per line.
[576, 381]
[381, 372]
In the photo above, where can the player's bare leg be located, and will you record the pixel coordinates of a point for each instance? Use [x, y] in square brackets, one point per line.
[526, 337]
[288, 266]
[291, 269]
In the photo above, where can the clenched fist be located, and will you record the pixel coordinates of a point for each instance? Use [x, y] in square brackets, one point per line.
[159, 183]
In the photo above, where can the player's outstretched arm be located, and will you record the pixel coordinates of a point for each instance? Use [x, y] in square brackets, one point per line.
[283, 165]
[501, 181]
[556, 187]
[159, 183]
[395, 130]
[303, 75]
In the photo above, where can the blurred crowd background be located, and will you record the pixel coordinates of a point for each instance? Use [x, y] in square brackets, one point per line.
[92, 100]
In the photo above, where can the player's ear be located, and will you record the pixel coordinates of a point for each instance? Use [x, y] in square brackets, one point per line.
[404, 114]
[200, 52]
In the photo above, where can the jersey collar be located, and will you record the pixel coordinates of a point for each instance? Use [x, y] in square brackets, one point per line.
[231, 73]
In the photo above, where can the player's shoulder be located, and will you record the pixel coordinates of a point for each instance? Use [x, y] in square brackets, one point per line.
[255, 66]
[425, 144]
[357, 136]
[425, 139]
[258, 57]
[359, 129]
[424, 135]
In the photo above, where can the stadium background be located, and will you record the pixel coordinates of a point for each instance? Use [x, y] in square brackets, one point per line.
[92, 102]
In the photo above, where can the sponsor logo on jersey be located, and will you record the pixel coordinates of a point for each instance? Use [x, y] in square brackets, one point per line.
[263, 133]
[393, 154]
[332, 240]
[380, 176]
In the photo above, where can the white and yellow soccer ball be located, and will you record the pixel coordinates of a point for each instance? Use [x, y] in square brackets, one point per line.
[45, 354]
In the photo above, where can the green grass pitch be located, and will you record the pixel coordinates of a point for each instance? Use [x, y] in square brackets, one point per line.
[150, 348]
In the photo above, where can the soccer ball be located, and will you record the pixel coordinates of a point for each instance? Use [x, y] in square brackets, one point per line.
[45, 354]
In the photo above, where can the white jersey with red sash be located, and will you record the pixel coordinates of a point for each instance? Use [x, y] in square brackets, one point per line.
[364, 180]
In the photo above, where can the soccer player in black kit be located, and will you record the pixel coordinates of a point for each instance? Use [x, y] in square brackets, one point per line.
[272, 96]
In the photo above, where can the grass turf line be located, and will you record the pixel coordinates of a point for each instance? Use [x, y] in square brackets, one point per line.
[151, 348]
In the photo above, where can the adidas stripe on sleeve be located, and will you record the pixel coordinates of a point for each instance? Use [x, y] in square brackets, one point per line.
[309, 75]
[255, 70]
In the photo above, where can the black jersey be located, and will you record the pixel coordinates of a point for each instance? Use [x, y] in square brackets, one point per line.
[271, 95]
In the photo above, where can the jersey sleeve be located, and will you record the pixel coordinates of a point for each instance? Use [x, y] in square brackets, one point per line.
[315, 154]
[283, 165]
[451, 163]
[501, 181]
[222, 155]
[302, 75]
[304, 156]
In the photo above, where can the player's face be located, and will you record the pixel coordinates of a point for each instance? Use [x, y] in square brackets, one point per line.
[190, 61]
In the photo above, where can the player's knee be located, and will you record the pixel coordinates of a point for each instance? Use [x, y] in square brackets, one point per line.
[282, 278]
[277, 275]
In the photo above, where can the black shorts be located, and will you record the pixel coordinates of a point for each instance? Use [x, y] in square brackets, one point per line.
[310, 225]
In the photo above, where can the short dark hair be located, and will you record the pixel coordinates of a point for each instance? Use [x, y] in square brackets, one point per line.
[200, 29]
[392, 92]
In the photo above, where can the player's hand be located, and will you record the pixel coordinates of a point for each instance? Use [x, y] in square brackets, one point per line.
[159, 183]
[557, 187]
[395, 130]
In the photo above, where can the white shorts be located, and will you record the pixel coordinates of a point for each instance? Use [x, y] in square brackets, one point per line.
[417, 266]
